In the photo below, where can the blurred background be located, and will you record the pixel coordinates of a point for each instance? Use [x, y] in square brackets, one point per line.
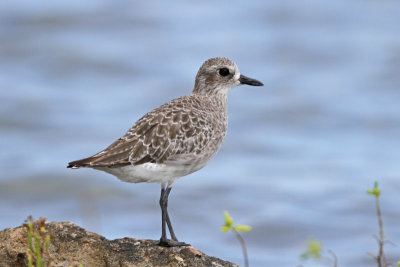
[300, 152]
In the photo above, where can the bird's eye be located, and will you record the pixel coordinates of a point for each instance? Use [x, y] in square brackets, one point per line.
[223, 72]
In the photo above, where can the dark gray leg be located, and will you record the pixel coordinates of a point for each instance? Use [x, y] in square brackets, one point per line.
[171, 230]
[165, 220]
[163, 238]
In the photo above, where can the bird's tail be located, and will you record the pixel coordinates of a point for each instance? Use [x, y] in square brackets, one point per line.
[80, 163]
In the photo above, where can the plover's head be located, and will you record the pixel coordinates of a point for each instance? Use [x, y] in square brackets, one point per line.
[218, 76]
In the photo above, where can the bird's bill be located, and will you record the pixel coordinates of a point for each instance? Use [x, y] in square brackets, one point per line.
[246, 80]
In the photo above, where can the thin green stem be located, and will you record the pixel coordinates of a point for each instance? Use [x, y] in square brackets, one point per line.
[37, 250]
[30, 230]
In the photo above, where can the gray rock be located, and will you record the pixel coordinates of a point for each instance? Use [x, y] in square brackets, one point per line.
[71, 245]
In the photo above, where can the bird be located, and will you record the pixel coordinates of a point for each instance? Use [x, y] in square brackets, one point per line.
[175, 139]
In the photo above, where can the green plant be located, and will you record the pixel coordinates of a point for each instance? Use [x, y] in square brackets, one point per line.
[380, 258]
[314, 246]
[236, 228]
[314, 251]
[38, 243]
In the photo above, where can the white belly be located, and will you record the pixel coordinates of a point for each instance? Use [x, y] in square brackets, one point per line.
[153, 172]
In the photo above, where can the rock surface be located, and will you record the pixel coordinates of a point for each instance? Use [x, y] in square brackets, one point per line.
[71, 245]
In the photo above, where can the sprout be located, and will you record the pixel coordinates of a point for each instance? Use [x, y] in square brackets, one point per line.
[228, 225]
[313, 249]
[375, 191]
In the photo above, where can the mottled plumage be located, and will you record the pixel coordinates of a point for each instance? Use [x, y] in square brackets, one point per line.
[186, 125]
[177, 138]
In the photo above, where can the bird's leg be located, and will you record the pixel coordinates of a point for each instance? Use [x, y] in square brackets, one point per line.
[165, 220]
[168, 221]
[163, 239]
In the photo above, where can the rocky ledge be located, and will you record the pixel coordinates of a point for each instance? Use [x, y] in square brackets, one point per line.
[71, 245]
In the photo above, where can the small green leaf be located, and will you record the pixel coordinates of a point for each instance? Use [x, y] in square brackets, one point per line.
[398, 263]
[314, 247]
[242, 228]
[228, 219]
[375, 191]
[305, 255]
[225, 228]
[313, 250]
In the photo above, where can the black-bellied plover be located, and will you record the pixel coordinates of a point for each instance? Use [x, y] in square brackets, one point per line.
[175, 139]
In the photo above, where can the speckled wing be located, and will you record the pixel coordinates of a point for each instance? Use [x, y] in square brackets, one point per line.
[172, 129]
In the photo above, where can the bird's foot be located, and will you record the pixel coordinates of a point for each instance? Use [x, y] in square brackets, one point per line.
[171, 243]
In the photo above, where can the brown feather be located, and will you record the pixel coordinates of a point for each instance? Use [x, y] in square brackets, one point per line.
[181, 126]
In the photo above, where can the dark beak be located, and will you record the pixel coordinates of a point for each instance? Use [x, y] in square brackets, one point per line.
[246, 80]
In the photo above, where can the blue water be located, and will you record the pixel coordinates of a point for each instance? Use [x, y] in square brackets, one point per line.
[300, 152]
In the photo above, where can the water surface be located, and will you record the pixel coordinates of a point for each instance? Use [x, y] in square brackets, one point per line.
[300, 152]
